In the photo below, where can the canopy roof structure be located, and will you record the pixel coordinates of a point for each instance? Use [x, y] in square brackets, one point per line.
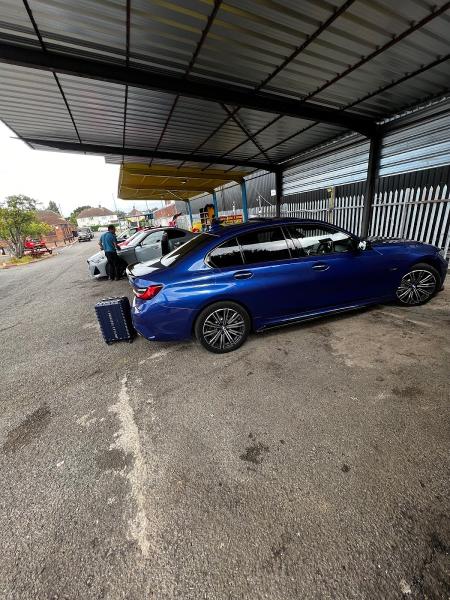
[143, 181]
[244, 84]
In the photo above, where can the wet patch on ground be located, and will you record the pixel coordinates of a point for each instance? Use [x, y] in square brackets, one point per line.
[255, 453]
[28, 430]
[279, 552]
[408, 392]
[433, 580]
[347, 339]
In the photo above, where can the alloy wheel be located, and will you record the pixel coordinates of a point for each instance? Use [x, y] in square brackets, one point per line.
[223, 328]
[416, 287]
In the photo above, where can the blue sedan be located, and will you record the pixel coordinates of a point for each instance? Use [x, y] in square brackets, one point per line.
[221, 285]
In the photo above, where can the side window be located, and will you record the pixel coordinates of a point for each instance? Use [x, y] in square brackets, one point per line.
[264, 245]
[173, 234]
[312, 240]
[152, 238]
[226, 255]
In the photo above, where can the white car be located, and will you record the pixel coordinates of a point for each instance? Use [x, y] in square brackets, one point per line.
[97, 265]
[143, 245]
[97, 262]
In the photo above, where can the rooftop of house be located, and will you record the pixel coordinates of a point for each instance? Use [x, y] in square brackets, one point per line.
[51, 218]
[135, 213]
[99, 211]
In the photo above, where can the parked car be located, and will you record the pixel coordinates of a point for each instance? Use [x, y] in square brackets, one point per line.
[223, 284]
[97, 262]
[139, 246]
[126, 234]
[134, 232]
[85, 234]
[153, 243]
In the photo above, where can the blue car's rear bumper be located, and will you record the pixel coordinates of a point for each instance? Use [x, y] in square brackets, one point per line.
[160, 322]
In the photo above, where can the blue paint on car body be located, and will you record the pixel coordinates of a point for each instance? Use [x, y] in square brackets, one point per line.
[277, 281]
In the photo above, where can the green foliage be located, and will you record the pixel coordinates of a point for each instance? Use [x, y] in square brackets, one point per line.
[74, 214]
[54, 207]
[18, 220]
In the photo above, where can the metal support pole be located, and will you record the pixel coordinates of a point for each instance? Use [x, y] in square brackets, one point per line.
[372, 174]
[190, 214]
[278, 191]
[216, 208]
[244, 202]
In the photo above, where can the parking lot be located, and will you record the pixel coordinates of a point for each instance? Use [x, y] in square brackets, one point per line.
[311, 463]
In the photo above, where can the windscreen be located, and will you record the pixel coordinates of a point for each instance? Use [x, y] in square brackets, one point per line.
[193, 244]
[136, 238]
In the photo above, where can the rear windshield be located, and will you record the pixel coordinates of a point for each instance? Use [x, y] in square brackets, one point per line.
[193, 244]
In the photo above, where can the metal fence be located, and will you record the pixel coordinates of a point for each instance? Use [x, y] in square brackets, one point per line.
[414, 205]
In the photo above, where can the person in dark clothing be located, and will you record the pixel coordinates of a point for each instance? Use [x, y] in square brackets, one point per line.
[108, 243]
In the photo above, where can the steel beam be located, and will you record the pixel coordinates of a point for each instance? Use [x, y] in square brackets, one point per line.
[436, 11]
[162, 154]
[216, 208]
[215, 92]
[373, 168]
[279, 190]
[191, 218]
[246, 132]
[244, 201]
[183, 173]
[177, 187]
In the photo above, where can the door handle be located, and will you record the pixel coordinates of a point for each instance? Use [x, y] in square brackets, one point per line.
[321, 267]
[243, 275]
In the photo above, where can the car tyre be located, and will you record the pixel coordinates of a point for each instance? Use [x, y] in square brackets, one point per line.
[418, 285]
[222, 327]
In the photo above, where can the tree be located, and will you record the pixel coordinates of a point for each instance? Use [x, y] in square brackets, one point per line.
[74, 214]
[54, 207]
[18, 220]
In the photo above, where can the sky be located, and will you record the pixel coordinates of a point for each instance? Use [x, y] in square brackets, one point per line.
[70, 180]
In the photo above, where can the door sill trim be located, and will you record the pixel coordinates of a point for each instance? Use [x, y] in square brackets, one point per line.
[314, 316]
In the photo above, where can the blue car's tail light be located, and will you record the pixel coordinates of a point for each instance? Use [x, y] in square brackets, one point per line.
[147, 293]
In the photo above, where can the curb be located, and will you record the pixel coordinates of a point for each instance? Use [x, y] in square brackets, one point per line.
[6, 266]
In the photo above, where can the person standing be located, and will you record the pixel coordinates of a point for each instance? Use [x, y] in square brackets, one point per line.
[108, 243]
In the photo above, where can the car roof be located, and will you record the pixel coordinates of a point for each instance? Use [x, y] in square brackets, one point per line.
[156, 229]
[167, 227]
[261, 222]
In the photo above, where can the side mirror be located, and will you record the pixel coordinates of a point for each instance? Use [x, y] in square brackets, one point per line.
[364, 245]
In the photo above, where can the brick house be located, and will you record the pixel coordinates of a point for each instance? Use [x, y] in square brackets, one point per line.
[62, 230]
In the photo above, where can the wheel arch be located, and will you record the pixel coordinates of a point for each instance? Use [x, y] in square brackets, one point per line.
[428, 260]
[212, 301]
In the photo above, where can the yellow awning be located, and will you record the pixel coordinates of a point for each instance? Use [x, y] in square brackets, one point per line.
[161, 182]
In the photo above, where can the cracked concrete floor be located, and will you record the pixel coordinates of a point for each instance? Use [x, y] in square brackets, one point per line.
[312, 463]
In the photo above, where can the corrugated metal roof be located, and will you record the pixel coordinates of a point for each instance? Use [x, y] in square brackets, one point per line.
[373, 57]
[32, 105]
[415, 141]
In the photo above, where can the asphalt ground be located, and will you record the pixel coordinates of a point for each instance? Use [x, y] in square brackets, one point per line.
[311, 463]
